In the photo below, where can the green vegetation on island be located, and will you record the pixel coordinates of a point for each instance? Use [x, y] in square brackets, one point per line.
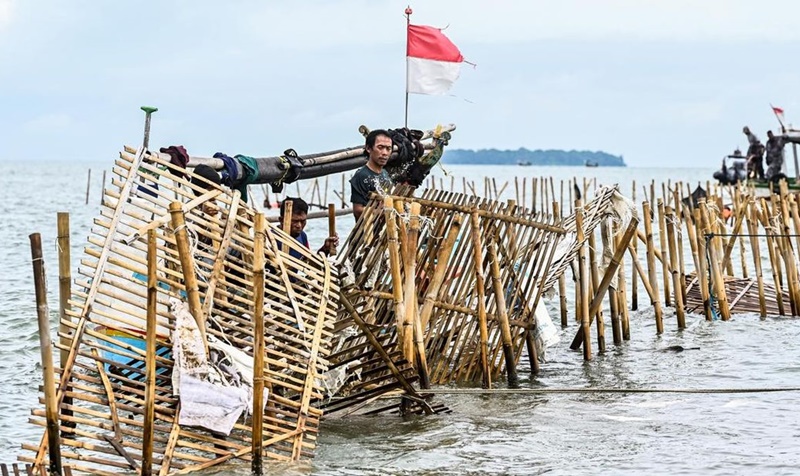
[524, 156]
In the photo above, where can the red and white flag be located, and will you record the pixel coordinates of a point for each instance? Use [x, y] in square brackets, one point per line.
[778, 113]
[434, 62]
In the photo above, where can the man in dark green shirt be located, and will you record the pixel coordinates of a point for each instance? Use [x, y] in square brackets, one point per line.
[372, 177]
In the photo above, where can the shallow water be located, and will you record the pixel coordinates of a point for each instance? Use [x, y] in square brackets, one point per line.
[586, 433]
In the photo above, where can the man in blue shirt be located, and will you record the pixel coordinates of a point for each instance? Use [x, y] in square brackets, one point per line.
[372, 177]
[299, 219]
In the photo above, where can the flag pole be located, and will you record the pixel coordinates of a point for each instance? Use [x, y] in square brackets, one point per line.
[408, 24]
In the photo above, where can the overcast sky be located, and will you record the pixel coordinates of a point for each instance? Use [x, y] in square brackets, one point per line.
[660, 82]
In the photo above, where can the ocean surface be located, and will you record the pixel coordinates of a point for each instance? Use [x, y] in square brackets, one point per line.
[594, 432]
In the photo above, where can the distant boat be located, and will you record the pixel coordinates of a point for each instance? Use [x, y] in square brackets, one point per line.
[592, 164]
[524, 163]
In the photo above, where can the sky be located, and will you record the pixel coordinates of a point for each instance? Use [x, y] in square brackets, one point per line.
[663, 83]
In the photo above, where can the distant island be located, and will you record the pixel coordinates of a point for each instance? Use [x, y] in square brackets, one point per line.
[524, 156]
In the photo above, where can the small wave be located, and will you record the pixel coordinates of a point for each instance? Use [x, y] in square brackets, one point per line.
[622, 418]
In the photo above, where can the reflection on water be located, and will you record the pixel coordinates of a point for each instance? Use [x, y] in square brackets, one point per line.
[587, 433]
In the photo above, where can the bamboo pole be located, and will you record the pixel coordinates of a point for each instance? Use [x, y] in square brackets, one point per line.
[718, 282]
[616, 329]
[259, 240]
[46, 348]
[665, 262]
[477, 252]
[634, 278]
[397, 281]
[582, 307]
[679, 236]
[595, 282]
[286, 226]
[439, 273]
[651, 266]
[188, 268]
[412, 307]
[752, 227]
[608, 276]
[331, 223]
[774, 266]
[150, 359]
[502, 315]
[622, 292]
[343, 189]
[679, 298]
[64, 293]
[88, 185]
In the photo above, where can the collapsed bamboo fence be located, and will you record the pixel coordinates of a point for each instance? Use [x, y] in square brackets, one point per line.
[204, 257]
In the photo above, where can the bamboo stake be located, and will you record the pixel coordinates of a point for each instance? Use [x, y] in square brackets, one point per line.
[343, 189]
[752, 226]
[150, 359]
[477, 251]
[412, 311]
[331, 224]
[394, 265]
[774, 266]
[259, 240]
[716, 272]
[622, 294]
[440, 271]
[608, 276]
[679, 298]
[616, 329]
[46, 347]
[64, 291]
[582, 307]
[188, 268]
[286, 226]
[502, 315]
[651, 266]
[595, 282]
[88, 185]
[662, 239]
[634, 278]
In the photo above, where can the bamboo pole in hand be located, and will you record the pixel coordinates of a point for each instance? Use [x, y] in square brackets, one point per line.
[477, 253]
[150, 354]
[259, 239]
[46, 348]
[651, 266]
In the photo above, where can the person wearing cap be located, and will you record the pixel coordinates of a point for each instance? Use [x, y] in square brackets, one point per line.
[755, 155]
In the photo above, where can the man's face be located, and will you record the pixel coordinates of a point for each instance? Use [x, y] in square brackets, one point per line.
[298, 224]
[769, 134]
[380, 152]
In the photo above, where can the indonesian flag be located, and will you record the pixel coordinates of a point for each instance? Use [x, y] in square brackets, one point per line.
[778, 113]
[434, 62]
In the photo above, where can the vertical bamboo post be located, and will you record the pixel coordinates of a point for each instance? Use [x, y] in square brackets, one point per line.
[699, 252]
[394, 265]
[477, 250]
[562, 280]
[332, 226]
[188, 269]
[752, 227]
[64, 286]
[259, 226]
[102, 189]
[46, 348]
[502, 315]
[718, 282]
[679, 236]
[616, 329]
[594, 283]
[516, 189]
[325, 198]
[651, 266]
[583, 280]
[88, 184]
[679, 312]
[774, 262]
[287, 217]
[412, 320]
[634, 278]
[665, 262]
[150, 355]
[622, 294]
[343, 192]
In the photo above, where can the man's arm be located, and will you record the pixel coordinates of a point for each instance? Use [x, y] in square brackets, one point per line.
[358, 209]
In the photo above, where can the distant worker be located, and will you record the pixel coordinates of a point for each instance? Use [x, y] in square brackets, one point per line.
[755, 155]
[299, 220]
[372, 177]
[775, 156]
